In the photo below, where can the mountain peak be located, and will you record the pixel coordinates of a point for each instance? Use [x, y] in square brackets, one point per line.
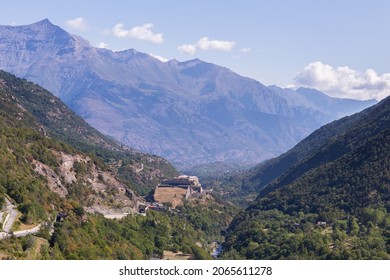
[44, 23]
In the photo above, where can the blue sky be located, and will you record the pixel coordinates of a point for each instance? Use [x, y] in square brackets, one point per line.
[340, 47]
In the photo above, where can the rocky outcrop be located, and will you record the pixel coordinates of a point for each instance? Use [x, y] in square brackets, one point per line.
[53, 180]
[103, 192]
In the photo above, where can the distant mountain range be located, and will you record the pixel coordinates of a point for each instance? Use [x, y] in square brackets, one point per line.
[189, 112]
[327, 198]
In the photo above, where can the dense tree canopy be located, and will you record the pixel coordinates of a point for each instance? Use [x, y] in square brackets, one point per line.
[334, 204]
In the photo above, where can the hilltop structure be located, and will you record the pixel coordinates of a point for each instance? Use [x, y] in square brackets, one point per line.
[176, 189]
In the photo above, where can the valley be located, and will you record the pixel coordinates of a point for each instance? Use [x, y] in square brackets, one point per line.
[94, 144]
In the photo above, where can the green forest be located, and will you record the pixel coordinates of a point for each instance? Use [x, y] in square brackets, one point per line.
[334, 204]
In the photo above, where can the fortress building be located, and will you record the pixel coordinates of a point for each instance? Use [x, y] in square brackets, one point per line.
[176, 189]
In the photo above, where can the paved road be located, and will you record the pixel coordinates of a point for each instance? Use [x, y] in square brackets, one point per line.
[11, 213]
[11, 219]
[139, 169]
[27, 231]
[116, 216]
[4, 235]
[12, 216]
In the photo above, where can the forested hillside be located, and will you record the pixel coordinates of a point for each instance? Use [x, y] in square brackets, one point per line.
[63, 175]
[333, 204]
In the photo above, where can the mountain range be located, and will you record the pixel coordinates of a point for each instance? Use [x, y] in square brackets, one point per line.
[190, 112]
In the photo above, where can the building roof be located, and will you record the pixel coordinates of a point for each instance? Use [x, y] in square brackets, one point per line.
[178, 182]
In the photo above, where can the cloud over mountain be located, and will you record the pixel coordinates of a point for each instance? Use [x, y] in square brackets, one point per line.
[344, 81]
[102, 45]
[142, 32]
[205, 44]
[79, 23]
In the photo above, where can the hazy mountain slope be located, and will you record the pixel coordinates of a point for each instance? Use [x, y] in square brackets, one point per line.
[344, 182]
[336, 107]
[190, 112]
[312, 103]
[253, 181]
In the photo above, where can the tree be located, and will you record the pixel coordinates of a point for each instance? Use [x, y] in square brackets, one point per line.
[353, 226]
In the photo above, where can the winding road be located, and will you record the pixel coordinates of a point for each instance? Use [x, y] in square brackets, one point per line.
[138, 170]
[11, 214]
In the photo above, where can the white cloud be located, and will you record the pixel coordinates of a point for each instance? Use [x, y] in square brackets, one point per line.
[102, 45]
[79, 23]
[142, 32]
[344, 81]
[206, 44]
[189, 49]
[163, 59]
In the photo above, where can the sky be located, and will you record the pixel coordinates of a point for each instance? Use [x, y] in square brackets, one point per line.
[339, 47]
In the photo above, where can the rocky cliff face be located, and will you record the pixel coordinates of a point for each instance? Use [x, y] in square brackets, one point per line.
[189, 112]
